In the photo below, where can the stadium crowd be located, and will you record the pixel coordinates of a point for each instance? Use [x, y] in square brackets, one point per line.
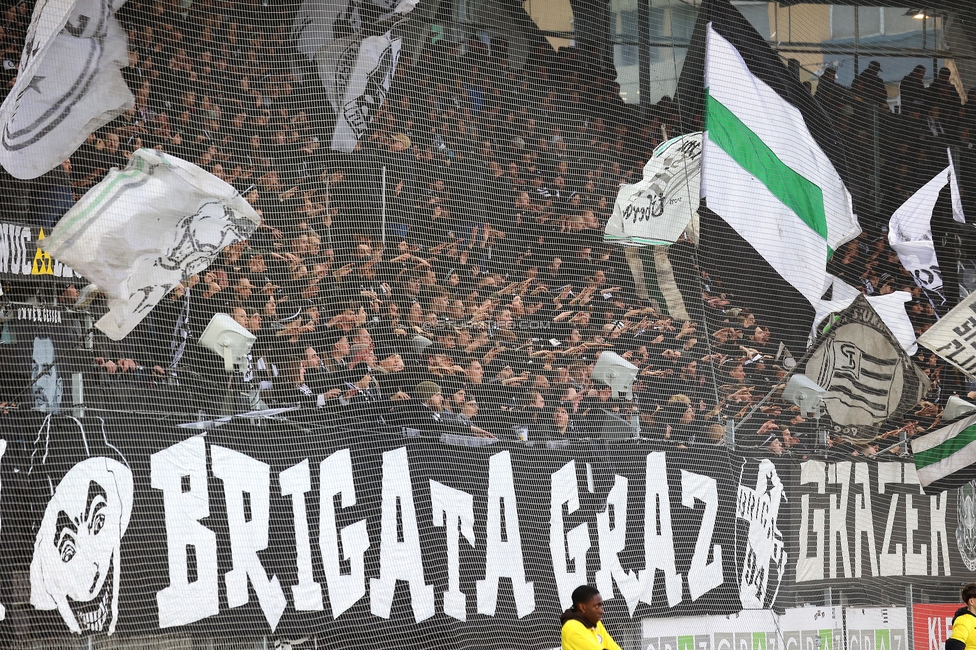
[494, 293]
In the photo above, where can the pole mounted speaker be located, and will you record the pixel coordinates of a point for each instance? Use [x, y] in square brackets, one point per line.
[225, 337]
[614, 371]
[805, 393]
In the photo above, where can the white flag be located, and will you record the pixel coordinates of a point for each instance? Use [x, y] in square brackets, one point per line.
[953, 337]
[910, 228]
[657, 209]
[363, 85]
[143, 229]
[957, 212]
[69, 84]
[890, 307]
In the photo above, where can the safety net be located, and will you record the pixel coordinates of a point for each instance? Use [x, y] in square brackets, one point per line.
[378, 324]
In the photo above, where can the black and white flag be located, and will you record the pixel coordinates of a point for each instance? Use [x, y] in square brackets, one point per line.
[354, 47]
[358, 83]
[866, 373]
[663, 205]
[910, 228]
[953, 337]
[69, 84]
[142, 230]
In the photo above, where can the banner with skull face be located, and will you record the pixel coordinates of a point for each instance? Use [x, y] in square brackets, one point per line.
[88, 488]
[76, 555]
[126, 526]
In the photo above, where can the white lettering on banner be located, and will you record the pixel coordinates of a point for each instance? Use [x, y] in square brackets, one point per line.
[891, 564]
[17, 258]
[703, 576]
[296, 482]
[399, 560]
[658, 547]
[38, 314]
[564, 490]
[863, 522]
[940, 629]
[335, 477]
[4, 247]
[503, 557]
[915, 551]
[613, 539]
[453, 509]
[243, 475]
[839, 474]
[25, 261]
[180, 472]
[937, 514]
[915, 563]
[807, 567]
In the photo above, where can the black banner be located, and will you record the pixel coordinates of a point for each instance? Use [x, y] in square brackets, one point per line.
[135, 526]
[859, 525]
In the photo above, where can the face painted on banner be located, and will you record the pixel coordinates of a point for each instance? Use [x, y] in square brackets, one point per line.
[75, 568]
[46, 386]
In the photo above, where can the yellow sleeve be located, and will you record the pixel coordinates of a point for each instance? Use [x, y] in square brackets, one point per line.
[608, 642]
[575, 636]
[962, 628]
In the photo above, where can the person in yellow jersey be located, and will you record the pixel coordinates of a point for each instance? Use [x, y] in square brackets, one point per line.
[582, 623]
[963, 635]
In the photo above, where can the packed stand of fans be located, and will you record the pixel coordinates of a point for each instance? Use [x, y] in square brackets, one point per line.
[494, 294]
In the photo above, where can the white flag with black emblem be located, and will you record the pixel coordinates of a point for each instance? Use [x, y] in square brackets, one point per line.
[910, 228]
[69, 84]
[867, 374]
[354, 47]
[142, 230]
[364, 85]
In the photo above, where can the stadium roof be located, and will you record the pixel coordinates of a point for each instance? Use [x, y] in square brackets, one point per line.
[929, 5]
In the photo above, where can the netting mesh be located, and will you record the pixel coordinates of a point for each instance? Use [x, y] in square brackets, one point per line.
[320, 234]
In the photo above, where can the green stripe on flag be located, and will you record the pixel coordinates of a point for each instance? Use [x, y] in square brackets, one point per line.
[948, 448]
[799, 194]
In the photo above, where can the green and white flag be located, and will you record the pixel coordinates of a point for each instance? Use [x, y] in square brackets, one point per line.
[143, 229]
[766, 176]
[944, 459]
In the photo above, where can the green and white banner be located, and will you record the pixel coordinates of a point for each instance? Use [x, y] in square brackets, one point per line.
[945, 457]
